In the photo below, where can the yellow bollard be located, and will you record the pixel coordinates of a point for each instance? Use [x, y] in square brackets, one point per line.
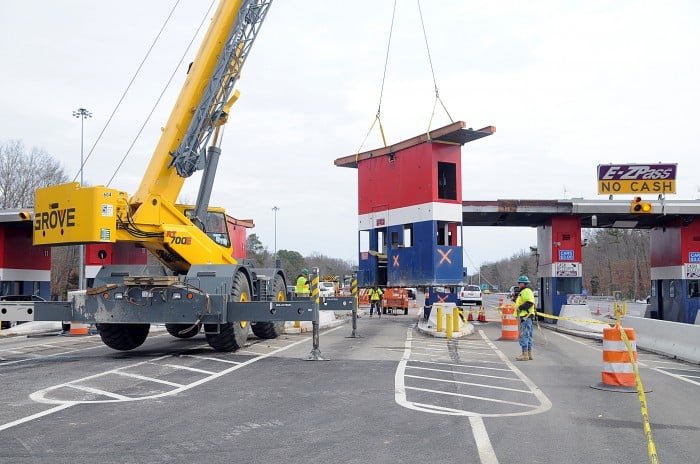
[624, 308]
[455, 318]
[297, 324]
[439, 319]
[449, 325]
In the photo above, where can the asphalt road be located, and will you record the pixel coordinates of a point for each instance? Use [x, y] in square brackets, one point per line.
[390, 395]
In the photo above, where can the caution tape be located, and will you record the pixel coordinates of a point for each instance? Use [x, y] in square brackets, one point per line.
[592, 321]
[651, 448]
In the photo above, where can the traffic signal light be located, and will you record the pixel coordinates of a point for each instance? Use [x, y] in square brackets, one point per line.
[640, 207]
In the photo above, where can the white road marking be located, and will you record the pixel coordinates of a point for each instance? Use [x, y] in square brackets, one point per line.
[474, 397]
[487, 455]
[684, 378]
[38, 396]
[192, 369]
[97, 391]
[148, 379]
[458, 382]
[209, 358]
[34, 416]
[471, 374]
[483, 443]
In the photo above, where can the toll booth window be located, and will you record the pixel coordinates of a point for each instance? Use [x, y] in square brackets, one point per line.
[693, 288]
[394, 239]
[447, 181]
[442, 234]
[381, 241]
[568, 286]
[408, 235]
[671, 289]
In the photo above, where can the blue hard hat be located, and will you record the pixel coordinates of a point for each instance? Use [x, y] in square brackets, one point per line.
[523, 279]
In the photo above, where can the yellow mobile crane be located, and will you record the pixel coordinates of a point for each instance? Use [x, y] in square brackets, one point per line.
[198, 283]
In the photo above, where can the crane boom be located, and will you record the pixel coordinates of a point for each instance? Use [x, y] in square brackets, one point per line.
[179, 236]
[199, 286]
[203, 108]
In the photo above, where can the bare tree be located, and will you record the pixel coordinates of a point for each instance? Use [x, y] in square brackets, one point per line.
[64, 275]
[22, 172]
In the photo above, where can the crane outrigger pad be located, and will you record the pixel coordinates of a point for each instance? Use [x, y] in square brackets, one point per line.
[454, 133]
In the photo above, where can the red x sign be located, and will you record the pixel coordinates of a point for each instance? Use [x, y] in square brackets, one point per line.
[444, 256]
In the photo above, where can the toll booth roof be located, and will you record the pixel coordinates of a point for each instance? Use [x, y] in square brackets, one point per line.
[454, 133]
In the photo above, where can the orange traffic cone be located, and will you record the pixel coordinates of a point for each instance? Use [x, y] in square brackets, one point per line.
[482, 315]
[598, 312]
[470, 317]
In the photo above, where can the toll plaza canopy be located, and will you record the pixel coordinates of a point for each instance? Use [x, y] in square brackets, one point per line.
[591, 213]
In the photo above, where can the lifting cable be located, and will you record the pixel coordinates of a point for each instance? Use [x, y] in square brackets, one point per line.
[121, 99]
[172, 75]
[432, 71]
[377, 118]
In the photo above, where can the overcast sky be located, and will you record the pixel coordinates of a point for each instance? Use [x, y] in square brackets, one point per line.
[568, 85]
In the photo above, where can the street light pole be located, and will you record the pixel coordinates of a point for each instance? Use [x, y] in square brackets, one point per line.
[81, 113]
[275, 209]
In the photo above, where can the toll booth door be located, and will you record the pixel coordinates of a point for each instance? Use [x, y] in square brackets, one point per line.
[659, 300]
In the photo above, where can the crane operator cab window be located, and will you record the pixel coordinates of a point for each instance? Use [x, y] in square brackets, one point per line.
[216, 229]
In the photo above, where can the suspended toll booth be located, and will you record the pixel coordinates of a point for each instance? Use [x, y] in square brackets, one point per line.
[410, 209]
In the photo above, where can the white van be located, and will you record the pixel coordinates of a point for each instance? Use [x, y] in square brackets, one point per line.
[326, 289]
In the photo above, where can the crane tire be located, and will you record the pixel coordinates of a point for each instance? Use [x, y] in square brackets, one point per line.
[175, 329]
[123, 337]
[272, 329]
[231, 336]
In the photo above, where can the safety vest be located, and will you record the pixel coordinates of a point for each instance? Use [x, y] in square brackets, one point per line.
[525, 294]
[375, 295]
[302, 286]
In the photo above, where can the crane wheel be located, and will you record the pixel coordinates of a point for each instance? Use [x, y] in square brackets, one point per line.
[123, 337]
[176, 329]
[272, 329]
[231, 336]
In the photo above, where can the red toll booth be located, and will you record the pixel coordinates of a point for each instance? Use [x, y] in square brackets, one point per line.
[559, 262]
[410, 209]
[24, 268]
[675, 271]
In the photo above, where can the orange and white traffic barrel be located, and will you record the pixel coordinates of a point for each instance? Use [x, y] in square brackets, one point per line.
[363, 297]
[77, 328]
[617, 363]
[509, 323]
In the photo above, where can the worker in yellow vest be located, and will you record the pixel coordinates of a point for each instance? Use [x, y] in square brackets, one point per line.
[525, 310]
[301, 289]
[375, 300]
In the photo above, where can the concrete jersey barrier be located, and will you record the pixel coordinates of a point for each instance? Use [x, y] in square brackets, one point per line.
[582, 313]
[665, 337]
